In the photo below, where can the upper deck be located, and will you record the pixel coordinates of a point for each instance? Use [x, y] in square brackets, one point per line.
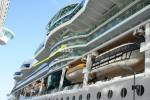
[83, 18]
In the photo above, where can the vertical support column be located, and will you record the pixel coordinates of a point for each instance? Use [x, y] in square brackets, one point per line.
[87, 69]
[20, 93]
[147, 52]
[17, 95]
[41, 87]
[62, 78]
[12, 97]
[25, 92]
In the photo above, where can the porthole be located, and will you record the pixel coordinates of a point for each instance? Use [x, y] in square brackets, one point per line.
[110, 94]
[73, 98]
[88, 96]
[67, 98]
[98, 95]
[139, 90]
[123, 92]
[80, 97]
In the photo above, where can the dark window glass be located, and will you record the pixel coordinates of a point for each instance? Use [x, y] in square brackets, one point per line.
[26, 65]
[17, 73]
[61, 98]
[123, 92]
[73, 98]
[139, 90]
[88, 96]
[67, 98]
[110, 94]
[98, 95]
[80, 97]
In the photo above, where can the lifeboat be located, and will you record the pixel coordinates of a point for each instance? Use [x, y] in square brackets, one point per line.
[119, 59]
[75, 74]
[111, 63]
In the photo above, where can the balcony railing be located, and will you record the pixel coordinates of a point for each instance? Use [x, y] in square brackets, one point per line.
[71, 54]
[91, 37]
[66, 18]
[120, 19]
[70, 43]
[61, 13]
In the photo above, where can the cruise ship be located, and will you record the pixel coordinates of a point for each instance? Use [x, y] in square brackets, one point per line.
[93, 50]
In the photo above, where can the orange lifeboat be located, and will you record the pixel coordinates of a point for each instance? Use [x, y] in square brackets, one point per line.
[75, 74]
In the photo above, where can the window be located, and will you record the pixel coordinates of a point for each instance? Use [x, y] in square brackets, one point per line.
[139, 90]
[88, 96]
[80, 97]
[67, 98]
[73, 98]
[98, 95]
[61, 98]
[110, 94]
[123, 92]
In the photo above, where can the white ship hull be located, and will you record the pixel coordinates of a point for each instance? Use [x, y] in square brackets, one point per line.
[103, 87]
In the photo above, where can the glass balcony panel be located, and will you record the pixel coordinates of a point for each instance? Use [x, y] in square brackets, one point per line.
[66, 18]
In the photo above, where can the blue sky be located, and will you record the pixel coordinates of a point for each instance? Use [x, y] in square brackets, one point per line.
[27, 19]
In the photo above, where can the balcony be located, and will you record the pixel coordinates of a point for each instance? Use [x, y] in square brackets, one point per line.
[61, 13]
[65, 18]
[25, 66]
[18, 75]
[70, 54]
[69, 44]
[119, 19]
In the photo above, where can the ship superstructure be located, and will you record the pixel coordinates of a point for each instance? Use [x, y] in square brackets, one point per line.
[93, 50]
